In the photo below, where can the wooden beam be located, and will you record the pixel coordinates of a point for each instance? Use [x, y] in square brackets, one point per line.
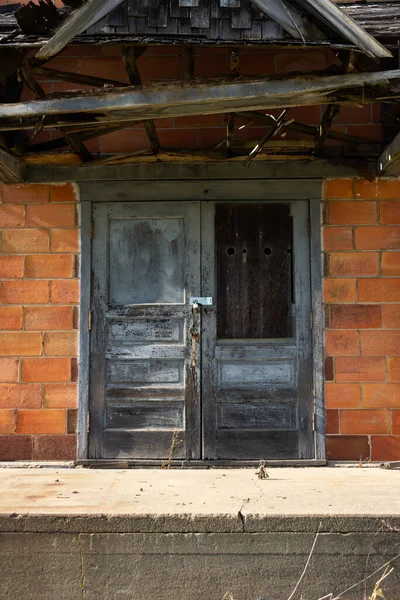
[12, 169]
[82, 18]
[335, 18]
[289, 19]
[154, 101]
[76, 77]
[389, 160]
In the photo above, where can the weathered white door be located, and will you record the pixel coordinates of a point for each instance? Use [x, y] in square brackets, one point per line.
[145, 367]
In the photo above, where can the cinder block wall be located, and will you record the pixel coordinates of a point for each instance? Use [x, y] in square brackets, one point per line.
[39, 296]
[361, 238]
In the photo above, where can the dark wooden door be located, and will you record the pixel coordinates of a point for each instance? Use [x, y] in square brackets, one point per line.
[256, 338]
[145, 367]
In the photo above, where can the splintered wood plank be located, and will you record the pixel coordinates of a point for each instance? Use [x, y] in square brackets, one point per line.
[158, 13]
[291, 21]
[12, 169]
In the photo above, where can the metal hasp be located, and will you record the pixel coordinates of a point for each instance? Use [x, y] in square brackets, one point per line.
[202, 300]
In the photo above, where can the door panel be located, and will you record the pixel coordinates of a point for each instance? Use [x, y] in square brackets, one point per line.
[257, 375]
[144, 366]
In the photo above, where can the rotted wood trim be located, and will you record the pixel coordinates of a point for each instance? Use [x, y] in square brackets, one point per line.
[196, 464]
[318, 326]
[12, 169]
[255, 189]
[84, 333]
[315, 169]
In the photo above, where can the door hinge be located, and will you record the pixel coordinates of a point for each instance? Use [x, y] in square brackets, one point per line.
[313, 421]
[311, 319]
[89, 320]
[87, 422]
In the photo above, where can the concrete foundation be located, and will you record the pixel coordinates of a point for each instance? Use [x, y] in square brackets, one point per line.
[190, 535]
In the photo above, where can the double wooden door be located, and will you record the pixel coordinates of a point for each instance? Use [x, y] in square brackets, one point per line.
[201, 334]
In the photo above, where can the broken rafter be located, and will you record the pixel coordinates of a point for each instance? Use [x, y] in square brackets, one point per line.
[276, 127]
[154, 101]
[12, 169]
[335, 18]
[331, 112]
[130, 56]
[82, 18]
[76, 77]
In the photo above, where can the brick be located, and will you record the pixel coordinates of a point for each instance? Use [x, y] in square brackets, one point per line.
[360, 368]
[41, 421]
[199, 121]
[338, 188]
[64, 292]
[390, 263]
[46, 370]
[364, 421]
[64, 240]
[127, 140]
[24, 241]
[74, 369]
[47, 318]
[341, 342]
[12, 216]
[186, 138]
[25, 193]
[49, 265]
[72, 421]
[357, 264]
[355, 114]
[396, 422]
[24, 292]
[10, 317]
[385, 447]
[20, 343]
[328, 369]
[388, 188]
[381, 395]
[20, 395]
[206, 66]
[110, 68]
[11, 267]
[287, 62]
[380, 343]
[390, 212]
[54, 447]
[8, 370]
[64, 192]
[365, 189]
[342, 395]
[338, 238]
[379, 290]
[344, 447]
[61, 343]
[380, 237]
[358, 212]
[394, 368]
[331, 421]
[7, 421]
[50, 215]
[340, 290]
[60, 395]
[374, 131]
[356, 316]
[15, 447]
[391, 316]
[256, 64]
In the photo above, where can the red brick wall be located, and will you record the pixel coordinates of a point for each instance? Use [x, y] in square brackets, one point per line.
[39, 295]
[362, 338]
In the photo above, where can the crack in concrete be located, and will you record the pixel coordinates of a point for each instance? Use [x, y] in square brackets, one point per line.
[82, 583]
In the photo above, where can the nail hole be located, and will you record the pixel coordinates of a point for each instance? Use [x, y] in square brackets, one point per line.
[267, 251]
[289, 251]
[231, 251]
[244, 251]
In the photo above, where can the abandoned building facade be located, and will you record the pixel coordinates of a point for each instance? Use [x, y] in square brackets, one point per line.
[200, 231]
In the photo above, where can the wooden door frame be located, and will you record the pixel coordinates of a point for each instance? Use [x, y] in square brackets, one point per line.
[219, 189]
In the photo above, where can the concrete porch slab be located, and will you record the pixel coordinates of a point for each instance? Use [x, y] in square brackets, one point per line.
[191, 535]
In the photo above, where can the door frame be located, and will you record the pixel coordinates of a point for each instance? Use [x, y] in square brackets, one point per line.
[190, 190]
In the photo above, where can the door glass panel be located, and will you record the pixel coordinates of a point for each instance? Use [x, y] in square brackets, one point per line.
[146, 261]
[254, 270]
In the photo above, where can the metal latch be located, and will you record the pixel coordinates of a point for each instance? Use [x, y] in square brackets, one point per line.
[202, 300]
